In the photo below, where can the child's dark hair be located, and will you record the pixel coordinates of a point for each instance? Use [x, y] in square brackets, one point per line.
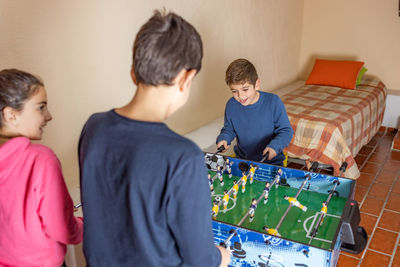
[16, 87]
[241, 71]
[165, 45]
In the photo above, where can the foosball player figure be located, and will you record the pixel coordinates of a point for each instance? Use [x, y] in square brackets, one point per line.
[252, 209]
[252, 172]
[235, 189]
[266, 192]
[271, 231]
[278, 177]
[225, 200]
[295, 202]
[219, 175]
[244, 181]
[228, 165]
[210, 183]
[324, 210]
[215, 209]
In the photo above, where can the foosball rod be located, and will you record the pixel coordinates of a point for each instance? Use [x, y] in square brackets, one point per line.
[231, 190]
[308, 177]
[265, 157]
[248, 212]
[315, 230]
[233, 232]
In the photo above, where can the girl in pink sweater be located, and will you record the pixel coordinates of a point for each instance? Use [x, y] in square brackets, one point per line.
[36, 211]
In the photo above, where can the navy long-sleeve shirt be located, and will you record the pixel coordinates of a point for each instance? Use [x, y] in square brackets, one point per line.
[264, 123]
[145, 194]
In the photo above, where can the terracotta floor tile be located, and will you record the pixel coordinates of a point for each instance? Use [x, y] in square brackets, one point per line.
[371, 168]
[392, 131]
[393, 202]
[381, 130]
[374, 140]
[368, 222]
[365, 150]
[378, 157]
[360, 192]
[390, 220]
[383, 241]
[374, 259]
[379, 190]
[384, 148]
[387, 139]
[396, 187]
[360, 159]
[396, 259]
[386, 177]
[395, 155]
[365, 179]
[345, 261]
[372, 205]
[392, 166]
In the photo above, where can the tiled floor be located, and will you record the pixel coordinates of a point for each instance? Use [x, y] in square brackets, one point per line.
[378, 195]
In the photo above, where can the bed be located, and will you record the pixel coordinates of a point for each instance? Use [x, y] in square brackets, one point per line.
[332, 124]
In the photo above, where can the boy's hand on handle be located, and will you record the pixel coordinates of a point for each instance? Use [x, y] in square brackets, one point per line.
[271, 151]
[224, 144]
[225, 256]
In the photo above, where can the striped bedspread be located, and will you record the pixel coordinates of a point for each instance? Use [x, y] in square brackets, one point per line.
[332, 124]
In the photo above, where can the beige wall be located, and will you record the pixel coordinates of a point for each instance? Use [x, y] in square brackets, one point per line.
[82, 50]
[366, 30]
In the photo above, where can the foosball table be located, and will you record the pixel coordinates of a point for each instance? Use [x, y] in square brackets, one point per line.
[269, 215]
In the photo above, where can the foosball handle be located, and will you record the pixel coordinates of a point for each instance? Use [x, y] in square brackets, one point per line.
[220, 149]
[232, 233]
[314, 166]
[342, 168]
[265, 157]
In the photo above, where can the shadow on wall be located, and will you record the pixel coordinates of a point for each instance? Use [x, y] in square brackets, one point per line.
[306, 69]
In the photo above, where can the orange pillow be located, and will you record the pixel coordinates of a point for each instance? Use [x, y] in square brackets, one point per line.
[335, 73]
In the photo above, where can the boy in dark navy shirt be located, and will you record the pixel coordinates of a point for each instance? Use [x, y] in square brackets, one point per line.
[146, 200]
[257, 119]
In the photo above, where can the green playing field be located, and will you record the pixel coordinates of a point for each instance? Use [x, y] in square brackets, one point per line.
[297, 225]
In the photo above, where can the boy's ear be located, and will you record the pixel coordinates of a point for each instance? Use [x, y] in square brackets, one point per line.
[133, 76]
[185, 78]
[257, 86]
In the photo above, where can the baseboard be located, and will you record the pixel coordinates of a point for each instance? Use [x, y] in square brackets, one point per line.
[396, 141]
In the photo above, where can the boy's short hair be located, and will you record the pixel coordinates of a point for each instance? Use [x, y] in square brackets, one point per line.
[241, 71]
[164, 46]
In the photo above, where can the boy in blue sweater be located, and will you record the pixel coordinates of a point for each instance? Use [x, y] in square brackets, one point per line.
[146, 199]
[257, 119]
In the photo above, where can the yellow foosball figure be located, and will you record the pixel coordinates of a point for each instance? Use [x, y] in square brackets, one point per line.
[235, 189]
[225, 200]
[295, 202]
[271, 231]
[324, 210]
[215, 209]
[244, 181]
[252, 172]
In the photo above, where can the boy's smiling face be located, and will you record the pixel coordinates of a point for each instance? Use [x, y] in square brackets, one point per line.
[245, 93]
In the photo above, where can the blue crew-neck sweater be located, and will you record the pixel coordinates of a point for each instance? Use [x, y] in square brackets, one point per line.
[145, 195]
[264, 123]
